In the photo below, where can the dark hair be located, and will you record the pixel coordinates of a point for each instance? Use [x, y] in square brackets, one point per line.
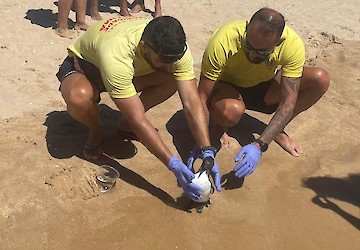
[166, 37]
[271, 21]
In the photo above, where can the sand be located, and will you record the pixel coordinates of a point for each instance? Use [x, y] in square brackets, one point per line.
[48, 197]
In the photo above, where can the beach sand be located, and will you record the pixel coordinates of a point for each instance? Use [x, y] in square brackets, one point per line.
[48, 196]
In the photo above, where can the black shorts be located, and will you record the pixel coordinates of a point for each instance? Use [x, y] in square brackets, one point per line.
[89, 70]
[253, 97]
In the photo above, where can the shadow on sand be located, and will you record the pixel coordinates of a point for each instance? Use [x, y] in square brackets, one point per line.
[47, 19]
[184, 141]
[347, 189]
[65, 138]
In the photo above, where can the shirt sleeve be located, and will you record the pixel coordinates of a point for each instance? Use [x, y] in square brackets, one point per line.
[294, 58]
[183, 69]
[214, 59]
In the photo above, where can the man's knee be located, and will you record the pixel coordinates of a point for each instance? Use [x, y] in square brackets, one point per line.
[322, 79]
[228, 114]
[77, 94]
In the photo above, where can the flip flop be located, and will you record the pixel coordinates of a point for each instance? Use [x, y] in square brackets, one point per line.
[92, 153]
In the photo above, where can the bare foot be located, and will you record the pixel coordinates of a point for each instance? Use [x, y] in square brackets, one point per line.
[225, 140]
[95, 15]
[288, 144]
[157, 13]
[65, 33]
[137, 8]
[125, 12]
[81, 26]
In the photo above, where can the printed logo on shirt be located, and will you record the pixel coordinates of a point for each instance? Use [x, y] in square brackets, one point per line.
[113, 22]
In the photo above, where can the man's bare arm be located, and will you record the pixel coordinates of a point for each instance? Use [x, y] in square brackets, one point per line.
[133, 110]
[205, 87]
[289, 89]
[194, 112]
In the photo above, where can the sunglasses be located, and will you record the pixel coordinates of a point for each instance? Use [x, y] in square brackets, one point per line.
[260, 52]
[168, 58]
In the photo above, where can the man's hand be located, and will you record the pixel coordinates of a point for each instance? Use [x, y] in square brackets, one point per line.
[184, 176]
[214, 171]
[195, 154]
[249, 157]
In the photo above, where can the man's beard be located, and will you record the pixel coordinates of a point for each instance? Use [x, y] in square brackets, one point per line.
[257, 61]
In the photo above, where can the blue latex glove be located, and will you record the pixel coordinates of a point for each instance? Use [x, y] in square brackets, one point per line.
[249, 156]
[214, 171]
[195, 154]
[184, 176]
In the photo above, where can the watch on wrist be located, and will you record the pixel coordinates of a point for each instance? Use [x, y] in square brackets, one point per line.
[263, 146]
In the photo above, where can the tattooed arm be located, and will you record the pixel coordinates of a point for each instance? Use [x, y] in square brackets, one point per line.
[289, 89]
[249, 155]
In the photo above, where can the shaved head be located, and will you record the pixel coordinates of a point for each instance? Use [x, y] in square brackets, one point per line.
[270, 22]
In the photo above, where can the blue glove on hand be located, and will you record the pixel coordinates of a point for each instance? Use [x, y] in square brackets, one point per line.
[184, 176]
[249, 156]
[214, 171]
[195, 154]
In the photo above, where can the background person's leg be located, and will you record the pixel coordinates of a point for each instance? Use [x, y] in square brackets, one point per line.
[157, 8]
[138, 5]
[94, 10]
[124, 8]
[64, 7]
[80, 9]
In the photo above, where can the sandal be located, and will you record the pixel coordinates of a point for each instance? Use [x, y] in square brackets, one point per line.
[92, 153]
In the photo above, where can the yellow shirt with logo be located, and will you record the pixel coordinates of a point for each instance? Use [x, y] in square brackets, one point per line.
[112, 45]
[225, 59]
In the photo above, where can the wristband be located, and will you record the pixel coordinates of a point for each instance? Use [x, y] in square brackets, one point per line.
[203, 149]
[263, 145]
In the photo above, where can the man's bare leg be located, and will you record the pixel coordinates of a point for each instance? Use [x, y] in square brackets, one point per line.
[138, 6]
[219, 137]
[314, 83]
[80, 8]
[82, 105]
[64, 7]
[124, 8]
[155, 88]
[94, 10]
[157, 8]
[226, 109]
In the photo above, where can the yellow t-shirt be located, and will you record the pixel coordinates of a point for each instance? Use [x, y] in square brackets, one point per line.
[112, 45]
[225, 59]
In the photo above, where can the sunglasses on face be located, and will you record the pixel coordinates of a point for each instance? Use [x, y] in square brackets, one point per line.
[260, 52]
[168, 58]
